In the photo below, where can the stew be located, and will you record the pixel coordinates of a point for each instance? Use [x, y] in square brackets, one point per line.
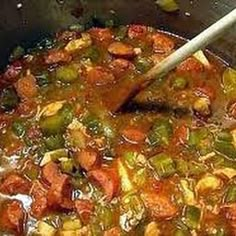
[164, 165]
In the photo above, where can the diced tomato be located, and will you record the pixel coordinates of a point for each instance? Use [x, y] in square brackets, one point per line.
[84, 209]
[39, 205]
[207, 91]
[50, 172]
[108, 179]
[115, 231]
[162, 44]
[26, 87]
[12, 217]
[137, 31]
[87, 159]
[14, 184]
[180, 135]
[100, 76]
[120, 49]
[101, 35]
[191, 65]
[159, 206]
[133, 135]
[27, 108]
[121, 66]
[56, 56]
[59, 194]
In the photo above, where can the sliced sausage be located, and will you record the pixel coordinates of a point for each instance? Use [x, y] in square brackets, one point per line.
[56, 56]
[84, 209]
[137, 31]
[50, 172]
[120, 49]
[108, 179]
[162, 44]
[121, 66]
[159, 206]
[14, 184]
[12, 217]
[87, 159]
[133, 134]
[191, 65]
[39, 204]
[59, 194]
[101, 35]
[26, 87]
[100, 76]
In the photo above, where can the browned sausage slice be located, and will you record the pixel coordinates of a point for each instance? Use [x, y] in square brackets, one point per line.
[120, 49]
[162, 43]
[137, 31]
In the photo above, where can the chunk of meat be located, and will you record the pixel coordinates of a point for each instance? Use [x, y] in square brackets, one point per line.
[59, 194]
[115, 231]
[101, 35]
[39, 204]
[191, 65]
[12, 217]
[137, 31]
[84, 209]
[159, 206]
[162, 44]
[50, 172]
[27, 108]
[229, 211]
[14, 184]
[108, 179]
[133, 134]
[56, 56]
[100, 76]
[87, 159]
[120, 49]
[120, 66]
[26, 87]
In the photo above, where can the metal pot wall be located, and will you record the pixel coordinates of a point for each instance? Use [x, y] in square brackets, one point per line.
[26, 21]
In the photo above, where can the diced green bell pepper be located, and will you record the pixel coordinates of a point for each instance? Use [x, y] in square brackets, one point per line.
[54, 142]
[105, 214]
[67, 166]
[192, 217]
[18, 128]
[93, 124]
[143, 64]
[67, 74]
[42, 79]
[92, 53]
[229, 82]
[179, 83]
[160, 132]
[121, 32]
[163, 165]
[230, 196]
[9, 99]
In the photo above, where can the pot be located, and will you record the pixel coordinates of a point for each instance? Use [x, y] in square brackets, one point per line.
[27, 21]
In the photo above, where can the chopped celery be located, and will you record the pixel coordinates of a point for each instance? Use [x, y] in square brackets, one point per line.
[163, 165]
[188, 192]
[18, 128]
[8, 99]
[67, 165]
[71, 224]
[92, 53]
[57, 123]
[167, 5]
[187, 168]
[53, 156]
[196, 136]
[54, 142]
[229, 82]
[46, 229]
[230, 196]
[134, 159]
[140, 177]
[67, 74]
[182, 167]
[143, 64]
[132, 211]
[160, 132]
[208, 182]
[179, 83]
[192, 217]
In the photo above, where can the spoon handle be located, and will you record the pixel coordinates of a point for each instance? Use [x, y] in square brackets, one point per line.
[199, 42]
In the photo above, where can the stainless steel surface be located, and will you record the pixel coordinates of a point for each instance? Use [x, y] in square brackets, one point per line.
[33, 19]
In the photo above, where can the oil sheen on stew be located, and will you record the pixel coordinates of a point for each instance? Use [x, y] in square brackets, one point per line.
[165, 164]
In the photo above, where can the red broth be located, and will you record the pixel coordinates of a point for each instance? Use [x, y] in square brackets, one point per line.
[164, 165]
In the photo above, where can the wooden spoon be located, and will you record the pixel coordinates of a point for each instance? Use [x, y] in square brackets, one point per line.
[127, 89]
